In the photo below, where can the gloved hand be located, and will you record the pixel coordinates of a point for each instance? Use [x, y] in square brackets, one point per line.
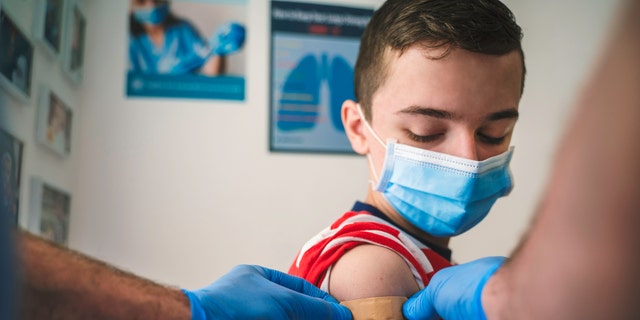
[227, 39]
[254, 292]
[454, 293]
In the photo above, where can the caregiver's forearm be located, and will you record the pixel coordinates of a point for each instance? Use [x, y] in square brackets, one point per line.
[61, 284]
[580, 260]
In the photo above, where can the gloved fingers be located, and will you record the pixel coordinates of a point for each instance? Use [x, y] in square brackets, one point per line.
[315, 303]
[454, 292]
[228, 38]
[420, 306]
[295, 283]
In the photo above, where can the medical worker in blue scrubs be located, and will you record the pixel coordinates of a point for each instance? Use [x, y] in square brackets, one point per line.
[162, 43]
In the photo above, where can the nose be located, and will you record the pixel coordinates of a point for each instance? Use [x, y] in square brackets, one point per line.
[465, 146]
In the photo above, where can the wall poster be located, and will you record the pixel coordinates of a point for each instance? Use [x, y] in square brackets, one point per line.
[187, 49]
[313, 52]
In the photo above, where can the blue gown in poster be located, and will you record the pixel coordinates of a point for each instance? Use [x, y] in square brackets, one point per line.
[183, 51]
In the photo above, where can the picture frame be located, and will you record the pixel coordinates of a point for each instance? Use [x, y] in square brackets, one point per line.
[11, 149]
[311, 67]
[48, 25]
[75, 24]
[54, 122]
[212, 64]
[16, 59]
[49, 213]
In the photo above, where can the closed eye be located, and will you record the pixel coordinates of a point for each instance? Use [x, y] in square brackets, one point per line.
[491, 140]
[423, 139]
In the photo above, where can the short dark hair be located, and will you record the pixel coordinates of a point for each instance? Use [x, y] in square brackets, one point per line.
[482, 26]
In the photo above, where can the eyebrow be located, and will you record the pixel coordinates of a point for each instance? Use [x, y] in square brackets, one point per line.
[504, 114]
[442, 114]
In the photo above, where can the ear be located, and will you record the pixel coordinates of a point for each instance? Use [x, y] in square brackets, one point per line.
[354, 127]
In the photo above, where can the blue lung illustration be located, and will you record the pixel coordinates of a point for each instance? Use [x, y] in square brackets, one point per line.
[341, 88]
[299, 103]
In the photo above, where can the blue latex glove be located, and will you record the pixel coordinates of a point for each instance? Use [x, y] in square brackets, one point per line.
[254, 292]
[227, 39]
[454, 293]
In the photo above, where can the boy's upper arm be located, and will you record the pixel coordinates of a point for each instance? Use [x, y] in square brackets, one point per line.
[371, 271]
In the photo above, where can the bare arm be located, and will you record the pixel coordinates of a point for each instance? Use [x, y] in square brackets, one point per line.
[370, 271]
[61, 284]
[580, 259]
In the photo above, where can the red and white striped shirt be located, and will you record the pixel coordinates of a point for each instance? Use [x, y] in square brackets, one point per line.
[316, 257]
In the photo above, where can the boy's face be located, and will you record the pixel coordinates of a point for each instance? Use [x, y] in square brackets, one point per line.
[465, 104]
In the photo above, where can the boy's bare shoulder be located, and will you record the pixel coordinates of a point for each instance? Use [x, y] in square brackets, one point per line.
[371, 271]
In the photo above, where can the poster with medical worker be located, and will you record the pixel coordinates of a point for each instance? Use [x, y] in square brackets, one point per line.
[187, 49]
[314, 50]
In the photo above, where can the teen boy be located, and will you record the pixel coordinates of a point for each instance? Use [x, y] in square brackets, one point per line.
[438, 84]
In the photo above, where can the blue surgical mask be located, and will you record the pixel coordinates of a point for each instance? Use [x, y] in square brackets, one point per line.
[440, 194]
[154, 15]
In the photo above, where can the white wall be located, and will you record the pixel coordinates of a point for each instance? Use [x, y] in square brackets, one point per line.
[181, 190]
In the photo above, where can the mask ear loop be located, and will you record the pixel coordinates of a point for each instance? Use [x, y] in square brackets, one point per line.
[373, 170]
[368, 126]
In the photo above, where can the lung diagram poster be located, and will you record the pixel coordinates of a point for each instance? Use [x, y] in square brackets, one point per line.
[313, 52]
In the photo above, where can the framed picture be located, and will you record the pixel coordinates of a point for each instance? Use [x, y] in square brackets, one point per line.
[192, 49]
[312, 70]
[10, 168]
[16, 59]
[49, 212]
[53, 128]
[74, 41]
[47, 24]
